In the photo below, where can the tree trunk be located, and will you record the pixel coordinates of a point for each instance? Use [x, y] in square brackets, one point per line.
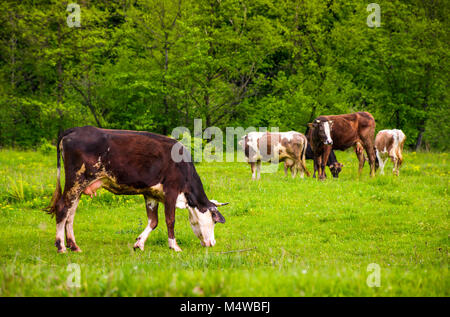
[419, 140]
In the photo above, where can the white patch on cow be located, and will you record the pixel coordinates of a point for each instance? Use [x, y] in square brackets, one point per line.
[401, 136]
[288, 135]
[254, 153]
[326, 127]
[157, 190]
[202, 224]
[99, 162]
[181, 202]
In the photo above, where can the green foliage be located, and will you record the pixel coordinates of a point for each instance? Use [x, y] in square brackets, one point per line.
[46, 147]
[155, 65]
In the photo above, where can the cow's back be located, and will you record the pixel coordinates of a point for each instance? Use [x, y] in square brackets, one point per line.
[137, 159]
[350, 128]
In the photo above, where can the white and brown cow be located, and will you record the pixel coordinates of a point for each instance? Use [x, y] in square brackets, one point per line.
[288, 147]
[389, 144]
[130, 163]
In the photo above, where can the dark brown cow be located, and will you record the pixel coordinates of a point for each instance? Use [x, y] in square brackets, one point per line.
[130, 163]
[339, 133]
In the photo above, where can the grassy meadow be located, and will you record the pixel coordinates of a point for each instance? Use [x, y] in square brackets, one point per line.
[282, 236]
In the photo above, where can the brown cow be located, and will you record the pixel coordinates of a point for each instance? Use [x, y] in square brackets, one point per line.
[130, 163]
[339, 133]
[389, 144]
[287, 147]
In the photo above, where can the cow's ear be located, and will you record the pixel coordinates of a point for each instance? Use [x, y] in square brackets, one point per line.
[217, 216]
[310, 125]
[317, 121]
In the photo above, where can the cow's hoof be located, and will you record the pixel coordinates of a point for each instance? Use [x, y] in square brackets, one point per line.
[61, 250]
[175, 247]
[76, 249]
[138, 245]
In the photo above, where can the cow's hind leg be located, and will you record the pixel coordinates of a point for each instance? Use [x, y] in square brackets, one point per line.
[380, 162]
[64, 219]
[289, 164]
[368, 146]
[400, 161]
[67, 207]
[361, 159]
[253, 167]
[258, 170]
[70, 236]
[152, 215]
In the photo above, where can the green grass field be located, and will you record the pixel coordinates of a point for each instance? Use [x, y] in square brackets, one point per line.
[298, 237]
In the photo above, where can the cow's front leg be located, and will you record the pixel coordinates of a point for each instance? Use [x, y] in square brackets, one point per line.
[288, 164]
[152, 214]
[321, 168]
[301, 169]
[169, 211]
[316, 167]
[323, 161]
[294, 170]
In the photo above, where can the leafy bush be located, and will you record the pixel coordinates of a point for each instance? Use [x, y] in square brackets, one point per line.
[46, 147]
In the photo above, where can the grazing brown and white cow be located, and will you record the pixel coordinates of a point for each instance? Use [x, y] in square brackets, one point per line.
[389, 144]
[287, 147]
[339, 133]
[130, 163]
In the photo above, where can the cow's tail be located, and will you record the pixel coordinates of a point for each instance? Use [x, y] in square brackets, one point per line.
[52, 208]
[303, 158]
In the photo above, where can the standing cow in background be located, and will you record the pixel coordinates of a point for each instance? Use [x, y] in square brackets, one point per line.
[389, 144]
[130, 163]
[339, 133]
[287, 147]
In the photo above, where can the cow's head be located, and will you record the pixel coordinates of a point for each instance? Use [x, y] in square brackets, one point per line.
[322, 129]
[336, 168]
[203, 222]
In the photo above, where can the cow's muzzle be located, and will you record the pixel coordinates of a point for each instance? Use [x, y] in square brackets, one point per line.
[328, 142]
